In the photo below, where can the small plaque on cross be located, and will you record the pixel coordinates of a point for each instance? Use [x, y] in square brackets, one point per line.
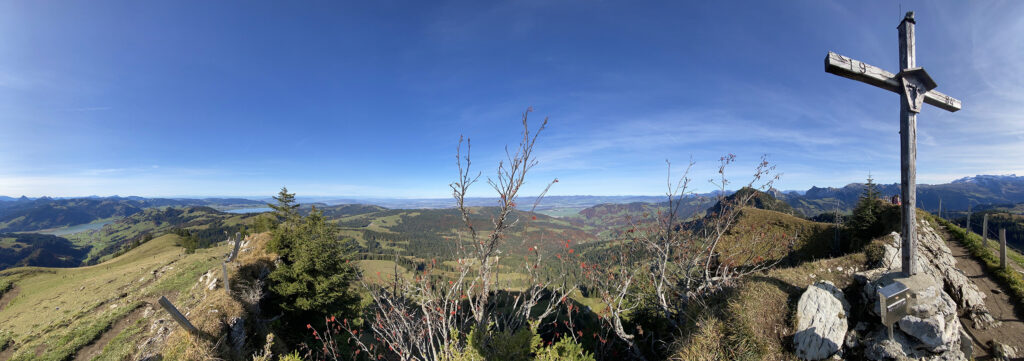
[916, 83]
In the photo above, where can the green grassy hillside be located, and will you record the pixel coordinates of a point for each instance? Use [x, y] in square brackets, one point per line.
[116, 237]
[997, 219]
[51, 313]
[811, 240]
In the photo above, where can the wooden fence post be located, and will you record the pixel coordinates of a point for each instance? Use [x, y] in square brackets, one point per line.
[984, 231]
[1002, 248]
[968, 222]
[234, 252]
[227, 284]
[177, 316]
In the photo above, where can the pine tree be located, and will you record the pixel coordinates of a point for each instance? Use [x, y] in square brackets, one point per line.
[284, 233]
[315, 275]
[285, 209]
[870, 190]
[865, 223]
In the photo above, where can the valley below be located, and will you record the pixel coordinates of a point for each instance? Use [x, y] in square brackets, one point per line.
[90, 291]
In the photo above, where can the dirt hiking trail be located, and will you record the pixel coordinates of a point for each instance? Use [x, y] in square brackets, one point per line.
[1011, 331]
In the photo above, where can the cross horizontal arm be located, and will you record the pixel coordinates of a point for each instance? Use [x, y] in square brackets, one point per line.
[860, 71]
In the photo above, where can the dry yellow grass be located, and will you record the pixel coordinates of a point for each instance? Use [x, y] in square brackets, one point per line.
[214, 310]
[755, 321]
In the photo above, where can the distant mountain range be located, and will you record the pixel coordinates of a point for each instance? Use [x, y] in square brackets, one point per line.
[957, 195]
[27, 214]
[549, 202]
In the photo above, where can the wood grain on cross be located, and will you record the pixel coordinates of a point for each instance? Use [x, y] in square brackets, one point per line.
[914, 87]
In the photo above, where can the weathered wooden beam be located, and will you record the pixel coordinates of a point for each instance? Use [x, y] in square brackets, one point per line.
[177, 316]
[860, 71]
[908, 155]
[866, 73]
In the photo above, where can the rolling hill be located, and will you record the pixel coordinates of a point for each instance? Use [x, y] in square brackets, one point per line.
[30, 249]
[25, 214]
[206, 224]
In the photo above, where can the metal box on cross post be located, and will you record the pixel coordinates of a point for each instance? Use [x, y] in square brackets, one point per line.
[894, 301]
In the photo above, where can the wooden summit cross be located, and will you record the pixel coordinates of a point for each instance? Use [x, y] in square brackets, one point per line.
[914, 87]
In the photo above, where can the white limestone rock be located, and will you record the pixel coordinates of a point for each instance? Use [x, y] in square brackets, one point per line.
[209, 280]
[935, 258]
[933, 320]
[821, 321]
[880, 347]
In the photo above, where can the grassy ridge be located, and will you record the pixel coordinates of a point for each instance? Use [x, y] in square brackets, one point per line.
[60, 310]
[755, 320]
[1007, 277]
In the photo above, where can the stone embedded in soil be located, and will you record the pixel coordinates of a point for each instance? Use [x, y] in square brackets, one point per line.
[1002, 352]
[821, 321]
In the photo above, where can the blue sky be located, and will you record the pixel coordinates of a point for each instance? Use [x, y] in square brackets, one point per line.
[204, 98]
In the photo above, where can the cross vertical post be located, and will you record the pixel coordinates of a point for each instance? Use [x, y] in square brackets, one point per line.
[908, 151]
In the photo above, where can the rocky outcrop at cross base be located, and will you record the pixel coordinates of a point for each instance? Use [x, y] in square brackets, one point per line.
[926, 327]
[930, 331]
[935, 259]
[931, 328]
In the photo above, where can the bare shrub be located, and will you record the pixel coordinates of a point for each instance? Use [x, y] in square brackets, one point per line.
[668, 263]
[430, 315]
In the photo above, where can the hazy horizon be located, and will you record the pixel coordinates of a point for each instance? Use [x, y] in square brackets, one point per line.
[374, 197]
